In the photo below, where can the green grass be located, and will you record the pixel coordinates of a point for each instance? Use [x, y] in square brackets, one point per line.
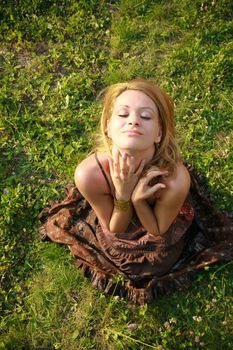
[55, 56]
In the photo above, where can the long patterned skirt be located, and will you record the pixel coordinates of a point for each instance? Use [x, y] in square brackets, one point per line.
[135, 264]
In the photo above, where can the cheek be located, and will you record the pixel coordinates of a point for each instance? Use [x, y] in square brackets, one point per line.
[113, 126]
[154, 131]
[116, 124]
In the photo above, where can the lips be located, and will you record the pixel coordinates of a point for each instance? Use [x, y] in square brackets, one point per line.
[133, 132]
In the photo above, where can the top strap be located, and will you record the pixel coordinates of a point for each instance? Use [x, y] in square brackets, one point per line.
[103, 172]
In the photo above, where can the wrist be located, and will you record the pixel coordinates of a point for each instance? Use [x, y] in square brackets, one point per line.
[123, 198]
[138, 202]
[122, 205]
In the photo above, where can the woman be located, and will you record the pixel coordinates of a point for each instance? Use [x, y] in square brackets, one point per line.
[135, 128]
[137, 220]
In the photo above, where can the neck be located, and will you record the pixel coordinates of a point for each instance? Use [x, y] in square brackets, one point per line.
[139, 155]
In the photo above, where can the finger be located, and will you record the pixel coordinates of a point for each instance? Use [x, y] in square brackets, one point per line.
[116, 164]
[131, 164]
[157, 171]
[123, 163]
[121, 153]
[154, 173]
[155, 188]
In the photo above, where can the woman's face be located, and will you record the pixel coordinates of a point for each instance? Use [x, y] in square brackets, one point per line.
[134, 124]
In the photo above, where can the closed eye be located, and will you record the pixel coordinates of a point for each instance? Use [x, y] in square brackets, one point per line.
[123, 115]
[145, 117]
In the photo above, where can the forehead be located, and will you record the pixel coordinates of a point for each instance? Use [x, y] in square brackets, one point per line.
[136, 99]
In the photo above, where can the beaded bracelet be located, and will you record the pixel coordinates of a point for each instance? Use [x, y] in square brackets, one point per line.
[121, 205]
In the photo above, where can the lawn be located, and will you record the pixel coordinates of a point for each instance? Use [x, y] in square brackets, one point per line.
[55, 56]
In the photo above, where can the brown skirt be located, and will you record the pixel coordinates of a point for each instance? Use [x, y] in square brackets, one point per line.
[135, 264]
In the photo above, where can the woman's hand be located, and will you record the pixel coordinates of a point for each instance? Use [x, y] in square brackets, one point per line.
[124, 174]
[143, 190]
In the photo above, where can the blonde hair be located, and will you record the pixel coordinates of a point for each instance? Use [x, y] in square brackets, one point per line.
[167, 154]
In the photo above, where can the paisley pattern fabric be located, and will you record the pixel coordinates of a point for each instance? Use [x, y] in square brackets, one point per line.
[135, 264]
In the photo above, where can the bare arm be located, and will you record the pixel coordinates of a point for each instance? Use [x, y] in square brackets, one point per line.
[91, 183]
[158, 219]
[124, 178]
[147, 217]
[168, 206]
[120, 219]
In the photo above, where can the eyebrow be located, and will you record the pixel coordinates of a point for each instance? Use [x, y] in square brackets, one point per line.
[139, 108]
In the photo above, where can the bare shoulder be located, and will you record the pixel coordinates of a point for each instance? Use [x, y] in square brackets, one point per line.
[179, 183]
[182, 177]
[172, 198]
[88, 177]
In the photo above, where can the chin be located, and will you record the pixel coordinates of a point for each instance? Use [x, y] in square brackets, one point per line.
[129, 147]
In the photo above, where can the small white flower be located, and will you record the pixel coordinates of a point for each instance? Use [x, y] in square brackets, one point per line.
[160, 347]
[197, 318]
[197, 339]
[172, 320]
[5, 191]
[132, 326]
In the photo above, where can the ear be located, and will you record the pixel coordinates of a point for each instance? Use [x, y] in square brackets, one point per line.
[158, 136]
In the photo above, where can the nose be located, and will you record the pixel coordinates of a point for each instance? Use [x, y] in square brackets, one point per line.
[133, 119]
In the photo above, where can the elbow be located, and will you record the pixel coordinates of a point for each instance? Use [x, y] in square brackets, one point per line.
[116, 228]
[78, 177]
[164, 229]
[112, 228]
[154, 233]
